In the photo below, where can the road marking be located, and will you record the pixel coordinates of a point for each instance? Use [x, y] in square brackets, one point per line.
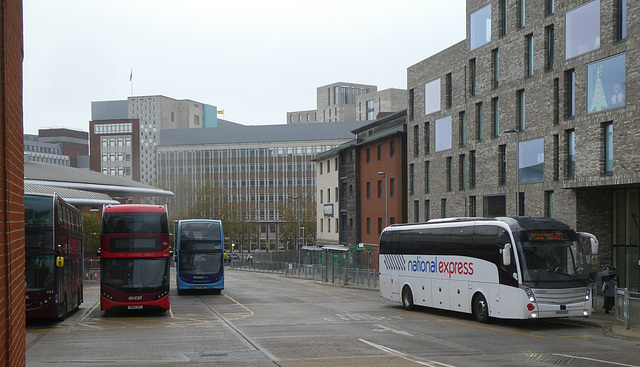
[595, 360]
[404, 356]
[382, 328]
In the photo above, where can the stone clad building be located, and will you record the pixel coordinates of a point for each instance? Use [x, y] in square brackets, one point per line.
[539, 99]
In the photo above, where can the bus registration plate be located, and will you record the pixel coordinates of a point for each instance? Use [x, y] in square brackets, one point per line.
[562, 312]
[135, 307]
[201, 287]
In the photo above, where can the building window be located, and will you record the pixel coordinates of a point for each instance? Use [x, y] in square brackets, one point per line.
[571, 153]
[448, 90]
[368, 154]
[531, 161]
[432, 97]
[556, 157]
[549, 211]
[427, 211]
[520, 107]
[443, 133]
[495, 62]
[449, 173]
[606, 84]
[472, 206]
[369, 190]
[416, 140]
[556, 101]
[495, 116]
[416, 211]
[502, 165]
[521, 13]
[379, 188]
[621, 20]
[549, 35]
[549, 7]
[427, 177]
[427, 139]
[528, 40]
[570, 91]
[443, 208]
[479, 122]
[368, 225]
[472, 169]
[379, 152]
[480, 27]
[608, 148]
[503, 18]
[370, 110]
[392, 148]
[392, 187]
[462, 129]
[379, 225]
[462, 172]
[472, 77]
[582, 29]
[411, 104]
[411, 173]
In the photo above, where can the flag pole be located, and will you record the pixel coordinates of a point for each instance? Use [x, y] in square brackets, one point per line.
[131, 81]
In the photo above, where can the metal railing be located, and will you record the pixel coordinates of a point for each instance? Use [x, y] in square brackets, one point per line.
[627, 306]
[367, 278]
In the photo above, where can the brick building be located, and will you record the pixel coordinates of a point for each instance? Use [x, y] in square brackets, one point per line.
[540, 98]
[12, 281]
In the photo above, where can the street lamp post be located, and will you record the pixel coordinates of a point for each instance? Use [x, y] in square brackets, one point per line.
[386, 199]
[511, 131]
[298, 231]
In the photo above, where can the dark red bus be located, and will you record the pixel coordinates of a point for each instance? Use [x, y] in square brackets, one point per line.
[54, 256]
[134, 257]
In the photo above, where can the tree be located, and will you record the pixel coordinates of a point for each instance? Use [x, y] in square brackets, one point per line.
[91, 232]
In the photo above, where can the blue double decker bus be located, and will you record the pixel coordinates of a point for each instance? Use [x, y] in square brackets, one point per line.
[200, 255]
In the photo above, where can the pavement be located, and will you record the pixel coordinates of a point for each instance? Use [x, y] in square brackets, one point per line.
[611, 326]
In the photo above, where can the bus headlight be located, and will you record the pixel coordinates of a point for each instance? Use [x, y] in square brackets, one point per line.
[587, 295]
[532, 298]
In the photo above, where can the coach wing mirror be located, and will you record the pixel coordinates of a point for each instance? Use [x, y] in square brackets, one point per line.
[98, 252]
[506, 255]
[593, 241]
[60, 261]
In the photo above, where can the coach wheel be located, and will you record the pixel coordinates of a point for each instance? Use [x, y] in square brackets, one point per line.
[480, 308]
[407, 298]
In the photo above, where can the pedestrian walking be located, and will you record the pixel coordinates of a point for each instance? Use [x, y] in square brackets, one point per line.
[609, 294]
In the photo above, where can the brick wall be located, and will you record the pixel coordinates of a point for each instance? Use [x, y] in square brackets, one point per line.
[12, 281]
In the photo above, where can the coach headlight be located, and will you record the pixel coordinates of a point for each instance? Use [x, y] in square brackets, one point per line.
[587, 295]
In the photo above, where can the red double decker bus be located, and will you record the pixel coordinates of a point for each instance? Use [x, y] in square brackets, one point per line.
[134, 257]
[53, 256]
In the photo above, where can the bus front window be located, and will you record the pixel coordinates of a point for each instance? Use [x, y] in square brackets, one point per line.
[548, 260]
[39, 272]
[139, 273]
[200, 263]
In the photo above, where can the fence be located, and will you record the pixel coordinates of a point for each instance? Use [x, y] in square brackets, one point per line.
[367, 278]
[627, 306]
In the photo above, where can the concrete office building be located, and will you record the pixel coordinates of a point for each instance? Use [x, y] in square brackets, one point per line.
[50, 153]
[264, 170]
[339, 102]
[124, 134]
[541, 99]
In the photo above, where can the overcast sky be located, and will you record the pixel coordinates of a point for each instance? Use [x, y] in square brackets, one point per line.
[255, 59]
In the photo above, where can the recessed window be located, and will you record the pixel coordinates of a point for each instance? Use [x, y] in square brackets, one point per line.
[479, 121]
[606, 84]
[549, 47]
[521, 13]
[495, 116]
[432, 96]
[571, 153]
[502, 165]
[608, 148]
[531, 161]
[582, 29]
[520, 106]
[480, 27]
[495, 61]
[570, 90]
[449, 173]
[621, 20]
[528, 40]
[443, 133]
[462, 128]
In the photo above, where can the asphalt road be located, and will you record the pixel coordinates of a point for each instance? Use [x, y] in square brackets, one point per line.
[264, 319]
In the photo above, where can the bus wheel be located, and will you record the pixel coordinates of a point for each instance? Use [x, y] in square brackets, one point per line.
[407, 298]
[480, 308]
